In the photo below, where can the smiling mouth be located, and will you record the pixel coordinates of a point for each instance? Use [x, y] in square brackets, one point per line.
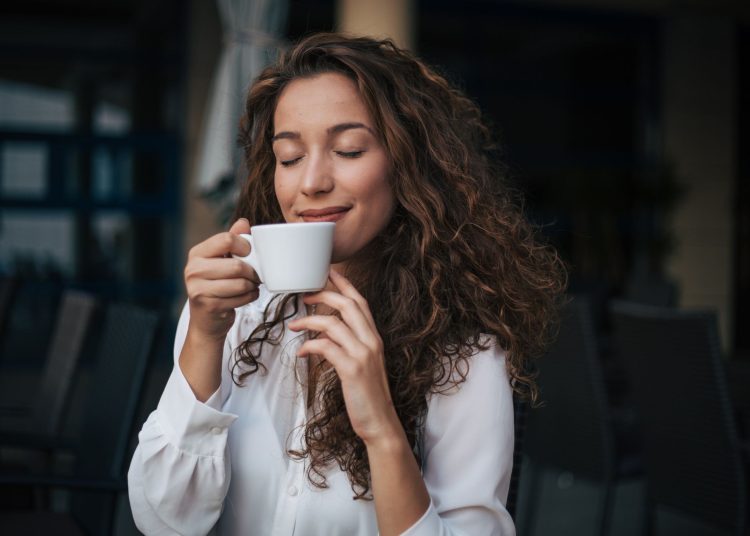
[324, 214]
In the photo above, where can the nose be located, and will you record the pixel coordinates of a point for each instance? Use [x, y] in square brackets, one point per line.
[317, 176]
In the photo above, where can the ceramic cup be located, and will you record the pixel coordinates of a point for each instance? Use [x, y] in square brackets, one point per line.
[291, 257]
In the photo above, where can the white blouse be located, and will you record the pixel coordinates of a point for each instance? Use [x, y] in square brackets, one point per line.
[226, 460]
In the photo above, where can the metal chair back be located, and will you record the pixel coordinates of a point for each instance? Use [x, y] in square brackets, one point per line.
[65, 349]
[572, 430]
[691, 448]
[124, 348]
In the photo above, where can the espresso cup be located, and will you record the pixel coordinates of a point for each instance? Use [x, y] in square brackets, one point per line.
[291, 257]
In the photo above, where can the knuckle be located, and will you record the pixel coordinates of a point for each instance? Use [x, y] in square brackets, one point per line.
[190, 271]
[226, 240]
[324, 345]
[238, 267]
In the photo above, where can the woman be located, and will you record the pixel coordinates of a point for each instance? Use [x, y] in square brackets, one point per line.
[383, 403]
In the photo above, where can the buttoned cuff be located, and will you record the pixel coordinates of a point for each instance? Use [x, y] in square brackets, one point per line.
[427, 525]
[192, 426]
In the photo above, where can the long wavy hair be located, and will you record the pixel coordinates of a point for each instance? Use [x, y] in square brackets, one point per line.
[457, 261]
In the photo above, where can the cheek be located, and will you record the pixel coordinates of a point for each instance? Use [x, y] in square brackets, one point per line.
[377, 187]
[283, 193]
[382, 198]
[285, 200]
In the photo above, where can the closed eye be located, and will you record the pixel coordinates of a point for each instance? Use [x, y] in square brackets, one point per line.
[290, 162]
[350, 154]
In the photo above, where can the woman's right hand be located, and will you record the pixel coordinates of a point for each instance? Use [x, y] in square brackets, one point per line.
[217, 283]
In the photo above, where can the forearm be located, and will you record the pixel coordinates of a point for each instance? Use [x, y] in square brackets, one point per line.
[401, 497]
[200, 363]
[179, 475]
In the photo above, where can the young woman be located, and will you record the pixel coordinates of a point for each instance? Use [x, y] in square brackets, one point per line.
[383, 403]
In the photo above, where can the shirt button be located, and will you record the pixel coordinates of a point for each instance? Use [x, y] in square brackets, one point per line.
[216, 430]
[293, 491]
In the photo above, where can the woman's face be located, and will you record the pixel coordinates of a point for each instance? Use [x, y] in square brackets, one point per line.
[330, 166]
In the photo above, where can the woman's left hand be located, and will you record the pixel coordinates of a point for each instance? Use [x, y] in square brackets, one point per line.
[350, 342]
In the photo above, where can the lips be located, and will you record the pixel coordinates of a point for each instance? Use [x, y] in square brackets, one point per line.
[324, 214]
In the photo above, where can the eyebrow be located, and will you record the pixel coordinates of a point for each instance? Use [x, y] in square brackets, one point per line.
[335, 129]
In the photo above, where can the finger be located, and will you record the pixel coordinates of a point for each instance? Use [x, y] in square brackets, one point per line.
[220, 268]
[228, 304]
[223, 288]
[350, 291]
[241, 226]
[243, 299]
[351, 312]
[330, 326]
[221, 245]
[329, 351]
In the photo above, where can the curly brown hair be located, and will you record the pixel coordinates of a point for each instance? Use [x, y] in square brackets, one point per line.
[458, 260]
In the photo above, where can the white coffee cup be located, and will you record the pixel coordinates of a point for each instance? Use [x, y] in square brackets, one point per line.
[291, 257]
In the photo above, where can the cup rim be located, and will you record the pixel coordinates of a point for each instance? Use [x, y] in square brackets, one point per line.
[293, 224]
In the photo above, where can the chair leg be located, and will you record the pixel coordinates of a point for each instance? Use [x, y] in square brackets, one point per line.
[532, 498]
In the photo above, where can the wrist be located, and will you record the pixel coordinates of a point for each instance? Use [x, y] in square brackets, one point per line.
[390, 439]
[200, 363]
[196, 336]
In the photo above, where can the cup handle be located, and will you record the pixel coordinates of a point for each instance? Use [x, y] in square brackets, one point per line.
[252, 258]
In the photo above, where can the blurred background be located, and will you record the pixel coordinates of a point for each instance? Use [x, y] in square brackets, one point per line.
[626, 123]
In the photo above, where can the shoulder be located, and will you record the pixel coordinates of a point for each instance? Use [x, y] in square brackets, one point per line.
[485, 385]
[474, 418]
[484, 369]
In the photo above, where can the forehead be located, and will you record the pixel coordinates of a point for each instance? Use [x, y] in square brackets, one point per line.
[323, 99]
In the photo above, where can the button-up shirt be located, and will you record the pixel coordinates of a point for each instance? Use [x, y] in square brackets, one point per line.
[227, 459]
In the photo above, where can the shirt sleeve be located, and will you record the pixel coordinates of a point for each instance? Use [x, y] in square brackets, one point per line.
[468, 454]
[180, 472]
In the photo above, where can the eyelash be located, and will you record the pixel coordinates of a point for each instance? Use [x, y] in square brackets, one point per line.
[344, 154]
[350, 154]
[287, 163]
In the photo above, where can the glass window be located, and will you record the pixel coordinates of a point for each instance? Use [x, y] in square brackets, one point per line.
[24, 169]
[41, 242]
[31, 108]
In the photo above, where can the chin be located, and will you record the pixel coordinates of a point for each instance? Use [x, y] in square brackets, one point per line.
[345, 252]
[339, 256]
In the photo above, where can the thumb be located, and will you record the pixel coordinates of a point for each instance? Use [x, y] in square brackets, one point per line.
[241, 226]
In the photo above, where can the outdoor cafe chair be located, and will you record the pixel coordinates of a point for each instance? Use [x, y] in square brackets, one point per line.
[104, 443]
[691, 449]
[572, 430]
[40, 419]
